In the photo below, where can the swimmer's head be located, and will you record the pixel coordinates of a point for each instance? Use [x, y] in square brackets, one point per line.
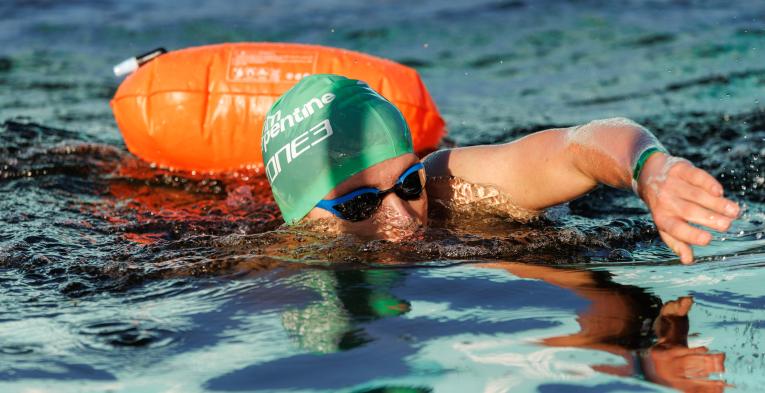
[329, 136]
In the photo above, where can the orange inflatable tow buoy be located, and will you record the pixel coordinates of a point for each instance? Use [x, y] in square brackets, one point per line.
[202, 108]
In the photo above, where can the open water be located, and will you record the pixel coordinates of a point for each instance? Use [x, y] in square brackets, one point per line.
[119, 277]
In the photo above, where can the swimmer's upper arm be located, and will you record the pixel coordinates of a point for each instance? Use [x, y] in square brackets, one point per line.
[536, 171]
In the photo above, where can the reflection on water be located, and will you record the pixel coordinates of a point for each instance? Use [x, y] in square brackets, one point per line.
[651, 338]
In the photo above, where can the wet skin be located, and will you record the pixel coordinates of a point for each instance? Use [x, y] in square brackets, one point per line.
[551, 167]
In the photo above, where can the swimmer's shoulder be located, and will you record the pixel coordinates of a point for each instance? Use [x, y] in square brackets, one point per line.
[462, 162]
[437, 163]
[438, 175]
[469, 162]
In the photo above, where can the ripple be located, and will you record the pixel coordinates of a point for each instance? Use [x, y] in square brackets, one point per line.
[110, 335]
[17, 349]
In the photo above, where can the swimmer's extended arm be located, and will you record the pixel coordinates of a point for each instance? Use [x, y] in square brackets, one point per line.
[555, 166]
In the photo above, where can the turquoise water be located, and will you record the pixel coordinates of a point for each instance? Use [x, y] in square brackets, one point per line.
[116, 276]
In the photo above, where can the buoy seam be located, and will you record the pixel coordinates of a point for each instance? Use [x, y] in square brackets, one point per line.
[235, 94]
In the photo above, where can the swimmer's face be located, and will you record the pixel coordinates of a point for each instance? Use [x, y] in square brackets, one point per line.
[395, 219]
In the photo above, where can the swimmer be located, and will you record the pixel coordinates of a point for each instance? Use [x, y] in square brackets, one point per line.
[337, 152]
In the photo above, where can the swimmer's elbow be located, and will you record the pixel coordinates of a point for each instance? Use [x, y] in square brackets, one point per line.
[604, 129]
[620, 120]
[617, 123]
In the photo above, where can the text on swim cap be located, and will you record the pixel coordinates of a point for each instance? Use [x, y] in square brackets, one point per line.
[297, 146]
[275, 124]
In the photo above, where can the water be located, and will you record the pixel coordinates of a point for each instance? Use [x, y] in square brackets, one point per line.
[116, 276]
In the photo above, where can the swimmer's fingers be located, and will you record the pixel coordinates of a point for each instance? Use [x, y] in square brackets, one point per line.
[682, 231]
[698, 177]
[700, 365]
[716, 204]
[681, 249]
[699, 215]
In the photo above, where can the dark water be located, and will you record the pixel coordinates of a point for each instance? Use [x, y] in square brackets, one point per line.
[117, 276]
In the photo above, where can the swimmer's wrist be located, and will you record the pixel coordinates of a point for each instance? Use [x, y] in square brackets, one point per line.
[653, 161]
[641, 163]
[642, 158]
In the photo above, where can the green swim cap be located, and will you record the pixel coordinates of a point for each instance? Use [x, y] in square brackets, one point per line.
[322, 131]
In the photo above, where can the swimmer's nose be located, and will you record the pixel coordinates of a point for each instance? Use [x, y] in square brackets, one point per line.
[399, 210]
[397, 220]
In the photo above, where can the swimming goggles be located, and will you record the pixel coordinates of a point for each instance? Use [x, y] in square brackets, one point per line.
[360, 204]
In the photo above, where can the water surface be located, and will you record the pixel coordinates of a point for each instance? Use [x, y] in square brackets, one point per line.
[118, 276]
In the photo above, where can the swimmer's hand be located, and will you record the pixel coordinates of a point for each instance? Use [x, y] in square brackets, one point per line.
[678, 193]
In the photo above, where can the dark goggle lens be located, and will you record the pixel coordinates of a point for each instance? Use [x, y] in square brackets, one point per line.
[360, 207]
[411, 187]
